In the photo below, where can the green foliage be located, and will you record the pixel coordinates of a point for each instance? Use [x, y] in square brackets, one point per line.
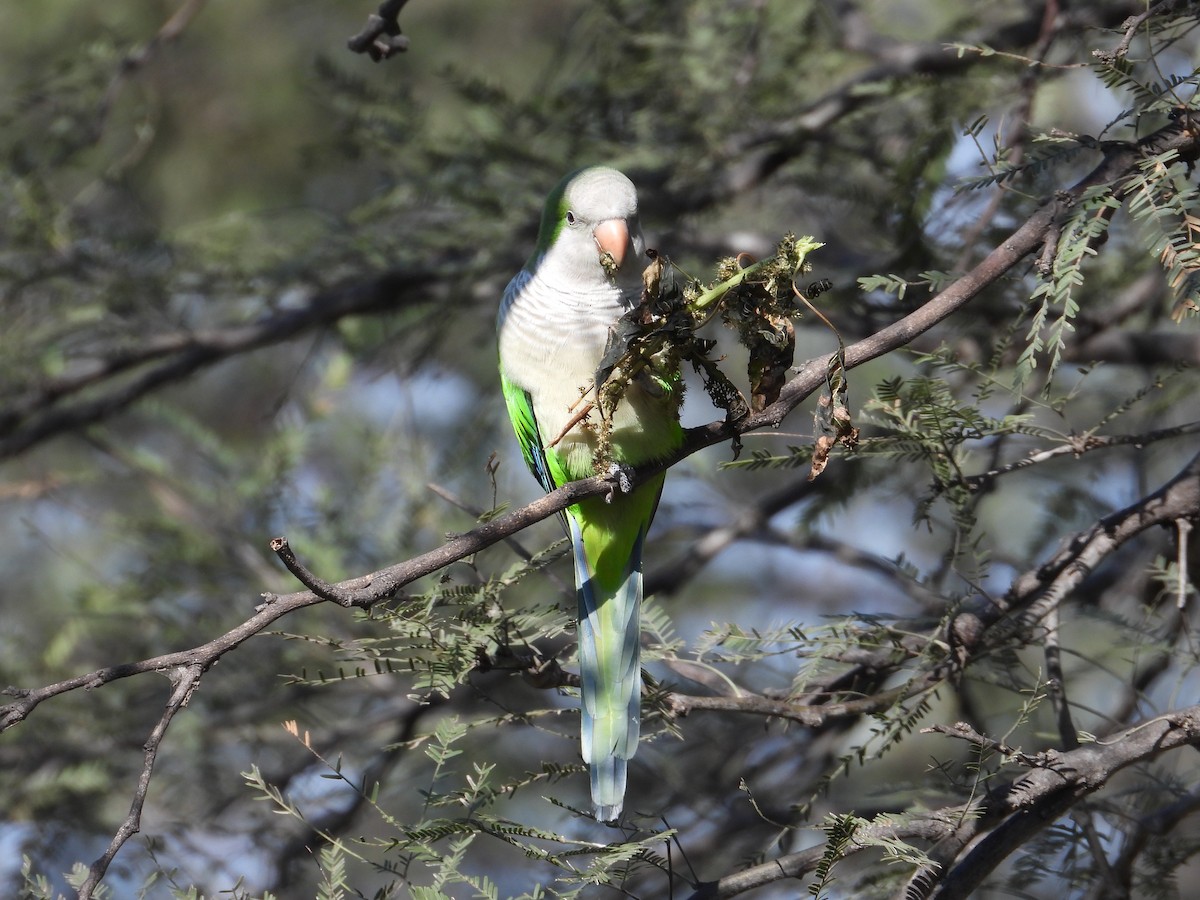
[1164, 203]
[1047, 152]
[1056, 294]
[35, 885]
[1160, 198]
[428, 856]
[923, 421]
[332, 863]
[155, 211]
[839, 830]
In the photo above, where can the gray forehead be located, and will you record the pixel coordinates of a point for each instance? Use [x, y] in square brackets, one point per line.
[602, 192]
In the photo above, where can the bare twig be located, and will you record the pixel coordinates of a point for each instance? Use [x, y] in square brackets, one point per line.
[184, 680]
[1016, 811]
[752, 520]
[136, 59]
[517, 547]
[981, 625]
[811, 714]
[1183, 528]
[964, 731]
[542, 672]
[579, 416]
[337, 819]
[1076, 447]
[1156, 824]
[753, 155]
[1130, 26]
[1056, 686]
[1051, 27]
[1137, 347]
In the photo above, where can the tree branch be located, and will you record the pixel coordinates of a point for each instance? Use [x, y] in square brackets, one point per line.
[381, 38]
[38, 416]
[1076, 447]
[41, 415]
[1010, 814]
[369, 589]
[1014, 812]
[753, 155]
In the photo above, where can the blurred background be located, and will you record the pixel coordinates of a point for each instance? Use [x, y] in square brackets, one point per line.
[248, 283]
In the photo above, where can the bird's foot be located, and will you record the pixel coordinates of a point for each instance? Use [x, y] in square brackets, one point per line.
[621, 478]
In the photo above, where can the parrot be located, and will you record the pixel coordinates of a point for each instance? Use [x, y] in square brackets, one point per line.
[554, 325]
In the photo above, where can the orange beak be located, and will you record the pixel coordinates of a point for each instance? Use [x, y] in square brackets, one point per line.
[612, 237]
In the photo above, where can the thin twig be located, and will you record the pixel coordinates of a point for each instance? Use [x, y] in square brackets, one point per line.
[1183, 528]
[1078, 446]
[1130, 26]
[1057, 680]
[136, 59]
[964, 731]
[184, 680]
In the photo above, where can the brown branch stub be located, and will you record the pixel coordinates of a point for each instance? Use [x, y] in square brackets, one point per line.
[381, 38]
[318, 586]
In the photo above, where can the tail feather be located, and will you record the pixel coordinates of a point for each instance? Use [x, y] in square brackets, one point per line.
[610, 673]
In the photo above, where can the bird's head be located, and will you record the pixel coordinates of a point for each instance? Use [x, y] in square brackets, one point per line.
[590, 226]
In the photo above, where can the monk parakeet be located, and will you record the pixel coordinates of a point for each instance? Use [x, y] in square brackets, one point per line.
[554, 326]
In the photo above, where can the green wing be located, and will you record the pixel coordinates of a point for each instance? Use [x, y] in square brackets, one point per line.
[545, 467]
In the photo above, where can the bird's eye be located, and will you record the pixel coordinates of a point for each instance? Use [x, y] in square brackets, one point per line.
[570, 217]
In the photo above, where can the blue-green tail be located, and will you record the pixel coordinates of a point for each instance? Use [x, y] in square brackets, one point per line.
[610, 672]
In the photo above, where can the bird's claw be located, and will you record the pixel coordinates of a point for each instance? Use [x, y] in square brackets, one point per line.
[621, 478]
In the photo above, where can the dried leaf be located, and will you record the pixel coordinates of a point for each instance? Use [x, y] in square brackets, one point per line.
[772, 349]
[832, 417]
[721, 390]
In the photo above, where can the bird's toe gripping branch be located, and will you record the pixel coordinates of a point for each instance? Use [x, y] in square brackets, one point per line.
[620, 477]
